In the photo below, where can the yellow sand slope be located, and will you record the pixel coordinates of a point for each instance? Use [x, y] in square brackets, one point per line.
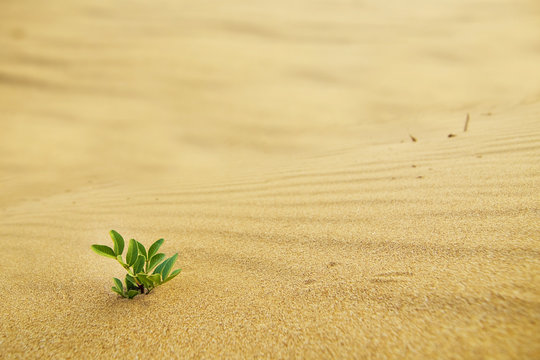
[269, 144]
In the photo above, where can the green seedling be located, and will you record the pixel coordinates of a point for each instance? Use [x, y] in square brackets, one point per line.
[140, 278]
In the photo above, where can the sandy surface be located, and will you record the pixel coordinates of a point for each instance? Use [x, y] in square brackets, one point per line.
[268, 143]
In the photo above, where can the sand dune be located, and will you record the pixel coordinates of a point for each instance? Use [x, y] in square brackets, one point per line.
[269, 144]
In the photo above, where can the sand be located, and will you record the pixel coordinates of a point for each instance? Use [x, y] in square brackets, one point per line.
[269, 143]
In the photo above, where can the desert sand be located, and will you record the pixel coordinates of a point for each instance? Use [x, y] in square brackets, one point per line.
[270, 144]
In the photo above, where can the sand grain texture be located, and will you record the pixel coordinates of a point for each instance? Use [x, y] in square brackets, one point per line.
[268, 143]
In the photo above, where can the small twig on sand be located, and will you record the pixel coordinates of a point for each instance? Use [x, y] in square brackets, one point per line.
[466, 123]
[413, 138]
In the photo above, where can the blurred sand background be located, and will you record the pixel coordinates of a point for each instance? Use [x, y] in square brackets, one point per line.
[268, 143]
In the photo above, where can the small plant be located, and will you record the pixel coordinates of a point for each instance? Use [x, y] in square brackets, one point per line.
[139, 263]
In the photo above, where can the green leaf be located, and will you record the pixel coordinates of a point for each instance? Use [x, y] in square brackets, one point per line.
[156, 259]
[158, 269]
[132, 293]
[142, 250]
[173, 274]
[132, 252]
[154, 248]
[116, 290]
[155, 279]
[168, 266]
[143, 278]
[119, 284]
[130, 282]
[139, 264]
[118, 242]
[104, 251]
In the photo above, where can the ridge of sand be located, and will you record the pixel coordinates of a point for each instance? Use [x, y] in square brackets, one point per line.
[358, 254]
